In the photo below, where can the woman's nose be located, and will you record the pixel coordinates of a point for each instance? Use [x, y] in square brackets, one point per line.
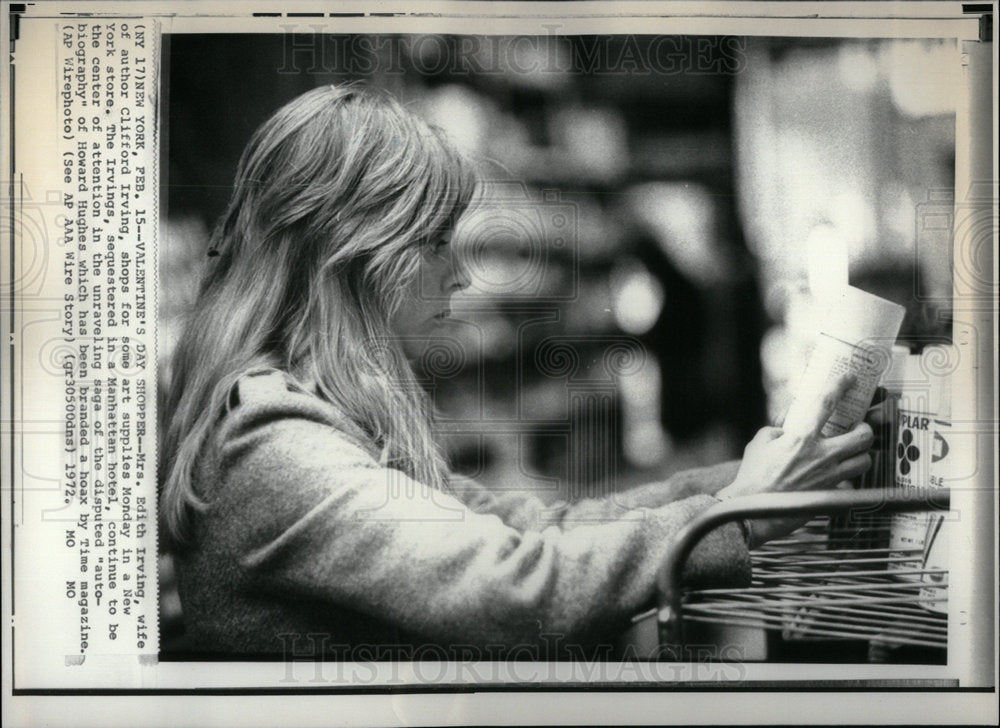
[460, 278]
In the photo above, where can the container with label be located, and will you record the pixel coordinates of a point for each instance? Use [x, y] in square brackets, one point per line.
[919, 441]
[939, 525]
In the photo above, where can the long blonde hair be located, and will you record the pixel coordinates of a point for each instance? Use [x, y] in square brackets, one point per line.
[334, 196]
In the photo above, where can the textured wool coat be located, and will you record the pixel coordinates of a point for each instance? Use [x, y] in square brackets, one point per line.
[310, 546]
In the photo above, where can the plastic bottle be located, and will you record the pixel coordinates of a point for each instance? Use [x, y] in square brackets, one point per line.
[918, 431]
[940, 526]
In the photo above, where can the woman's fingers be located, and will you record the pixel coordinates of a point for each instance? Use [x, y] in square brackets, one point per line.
[858, 439]
[853, 466]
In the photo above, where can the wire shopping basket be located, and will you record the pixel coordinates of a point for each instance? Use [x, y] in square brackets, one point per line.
[834, 579]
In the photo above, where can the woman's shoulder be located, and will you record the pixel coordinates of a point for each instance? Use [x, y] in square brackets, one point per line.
[277, 452]
[271, 404]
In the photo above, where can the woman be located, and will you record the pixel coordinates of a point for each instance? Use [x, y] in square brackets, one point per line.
[303, 492]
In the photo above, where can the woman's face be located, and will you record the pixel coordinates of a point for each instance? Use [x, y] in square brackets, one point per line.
[426, 304]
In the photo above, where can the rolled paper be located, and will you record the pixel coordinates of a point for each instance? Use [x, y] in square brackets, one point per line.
[857, 331]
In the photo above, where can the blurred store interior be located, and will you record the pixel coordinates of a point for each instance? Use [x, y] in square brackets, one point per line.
[650, 235]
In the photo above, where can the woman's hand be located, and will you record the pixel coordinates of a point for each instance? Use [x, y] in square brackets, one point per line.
[775, 462]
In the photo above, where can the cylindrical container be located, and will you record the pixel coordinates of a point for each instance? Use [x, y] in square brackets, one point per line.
[939, 525]
[919, 409]
[857, 331]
